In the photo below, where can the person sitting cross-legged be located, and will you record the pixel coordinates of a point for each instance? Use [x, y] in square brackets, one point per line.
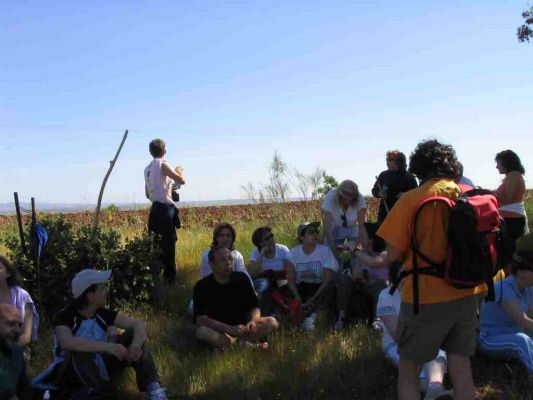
[87, 357]
[226, 308]
[506, 324]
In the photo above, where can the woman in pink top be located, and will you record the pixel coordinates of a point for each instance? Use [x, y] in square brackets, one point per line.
[511, 193]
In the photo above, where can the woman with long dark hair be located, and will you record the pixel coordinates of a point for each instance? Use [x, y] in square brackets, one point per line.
[511, 193]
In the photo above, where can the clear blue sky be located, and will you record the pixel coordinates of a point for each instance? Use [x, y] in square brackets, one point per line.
[327, 83]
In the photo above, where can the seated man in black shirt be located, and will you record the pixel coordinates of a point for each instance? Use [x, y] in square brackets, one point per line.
[87, 358]
[226, 308]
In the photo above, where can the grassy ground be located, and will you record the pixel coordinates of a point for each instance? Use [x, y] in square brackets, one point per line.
[324, 365]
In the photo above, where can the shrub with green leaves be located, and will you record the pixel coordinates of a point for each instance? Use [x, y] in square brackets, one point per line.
[135, 264]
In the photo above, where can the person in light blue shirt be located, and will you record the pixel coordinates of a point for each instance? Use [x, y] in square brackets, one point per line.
[507, 323]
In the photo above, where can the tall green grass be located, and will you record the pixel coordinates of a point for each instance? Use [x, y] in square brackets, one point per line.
[322, 365]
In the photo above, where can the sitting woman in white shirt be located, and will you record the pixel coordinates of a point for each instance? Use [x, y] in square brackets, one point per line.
[269, 261]
[388, 309]
[224, 235]
[311, 272]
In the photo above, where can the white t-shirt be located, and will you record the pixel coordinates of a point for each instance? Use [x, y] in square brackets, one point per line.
[331, 204]
[159, 185]
[388, 305]
[277, 263]
[238, 263]
[310, 267]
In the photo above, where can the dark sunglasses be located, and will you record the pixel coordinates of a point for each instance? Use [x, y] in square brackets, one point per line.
[268, 237]
[344, 221]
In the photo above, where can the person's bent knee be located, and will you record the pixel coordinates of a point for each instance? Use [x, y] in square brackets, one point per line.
[205, 334]
[271, 322]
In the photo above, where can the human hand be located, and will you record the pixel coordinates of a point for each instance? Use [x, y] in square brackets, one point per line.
[134, 353]
[178, 169]
[251, 326]
[238, 330]
[117, 350]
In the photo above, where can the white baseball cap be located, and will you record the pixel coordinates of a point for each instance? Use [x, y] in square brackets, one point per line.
[86, 278]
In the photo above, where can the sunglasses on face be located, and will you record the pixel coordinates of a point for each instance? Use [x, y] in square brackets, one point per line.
[344, 221]
[268, 237]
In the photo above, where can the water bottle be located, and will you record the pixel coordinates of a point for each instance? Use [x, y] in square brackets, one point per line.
[46, 395]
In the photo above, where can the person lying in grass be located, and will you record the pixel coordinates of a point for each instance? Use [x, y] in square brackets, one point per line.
[506, 324]
[388, 310]
[87, 358]
[226, 308]
[311, 272]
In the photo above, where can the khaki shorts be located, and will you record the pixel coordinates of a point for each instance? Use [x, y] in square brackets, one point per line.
[450, 326]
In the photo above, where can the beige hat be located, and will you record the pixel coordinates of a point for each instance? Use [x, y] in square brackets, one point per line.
[86, 278]
[348, 189]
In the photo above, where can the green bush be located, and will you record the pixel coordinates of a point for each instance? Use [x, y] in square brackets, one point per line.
[135, 264]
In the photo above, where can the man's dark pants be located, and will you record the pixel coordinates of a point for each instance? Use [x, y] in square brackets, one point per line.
[80, 371]
[164, 220]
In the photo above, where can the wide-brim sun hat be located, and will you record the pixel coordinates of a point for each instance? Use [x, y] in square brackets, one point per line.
[87, 277]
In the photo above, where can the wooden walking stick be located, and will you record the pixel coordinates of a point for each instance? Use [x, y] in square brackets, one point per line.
[111, 165]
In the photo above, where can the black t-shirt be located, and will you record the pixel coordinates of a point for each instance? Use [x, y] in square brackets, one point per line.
[94, 328]
[394, 182]
[229, 303]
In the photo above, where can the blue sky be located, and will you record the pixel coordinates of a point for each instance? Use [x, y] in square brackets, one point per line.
[331, 84]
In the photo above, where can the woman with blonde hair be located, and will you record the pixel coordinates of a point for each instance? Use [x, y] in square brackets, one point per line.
[344, 215]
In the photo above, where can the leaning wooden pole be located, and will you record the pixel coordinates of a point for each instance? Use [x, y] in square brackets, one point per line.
[19, 221]
[111, 165]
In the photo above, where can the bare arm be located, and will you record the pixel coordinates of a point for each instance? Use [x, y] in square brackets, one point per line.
[519, 317]
[291, 277]
[137, 327]
[512, 181]
[255, 315]
[27, 327]
[67, 341]
[328, 279]
[172, 174]
[327, 220]
[361, 219]
[204, 320]
[390, 321]
[379, 261]
[146, 193]
[394, 254]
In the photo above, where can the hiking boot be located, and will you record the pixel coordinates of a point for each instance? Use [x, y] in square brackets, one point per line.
[158, 394]
[439, 394]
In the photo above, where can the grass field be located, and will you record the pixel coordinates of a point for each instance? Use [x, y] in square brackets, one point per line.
[323, 365]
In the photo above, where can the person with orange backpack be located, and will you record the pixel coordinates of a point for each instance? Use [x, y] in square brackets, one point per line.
[434, 313]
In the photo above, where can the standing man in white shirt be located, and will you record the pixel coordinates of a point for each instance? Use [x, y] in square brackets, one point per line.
[159, 179]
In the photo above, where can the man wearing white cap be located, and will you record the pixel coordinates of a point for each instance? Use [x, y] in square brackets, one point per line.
[86, 360]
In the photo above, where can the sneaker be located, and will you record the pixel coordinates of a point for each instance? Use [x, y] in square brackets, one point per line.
[309, 323]
[158, 394]
[439, 394]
